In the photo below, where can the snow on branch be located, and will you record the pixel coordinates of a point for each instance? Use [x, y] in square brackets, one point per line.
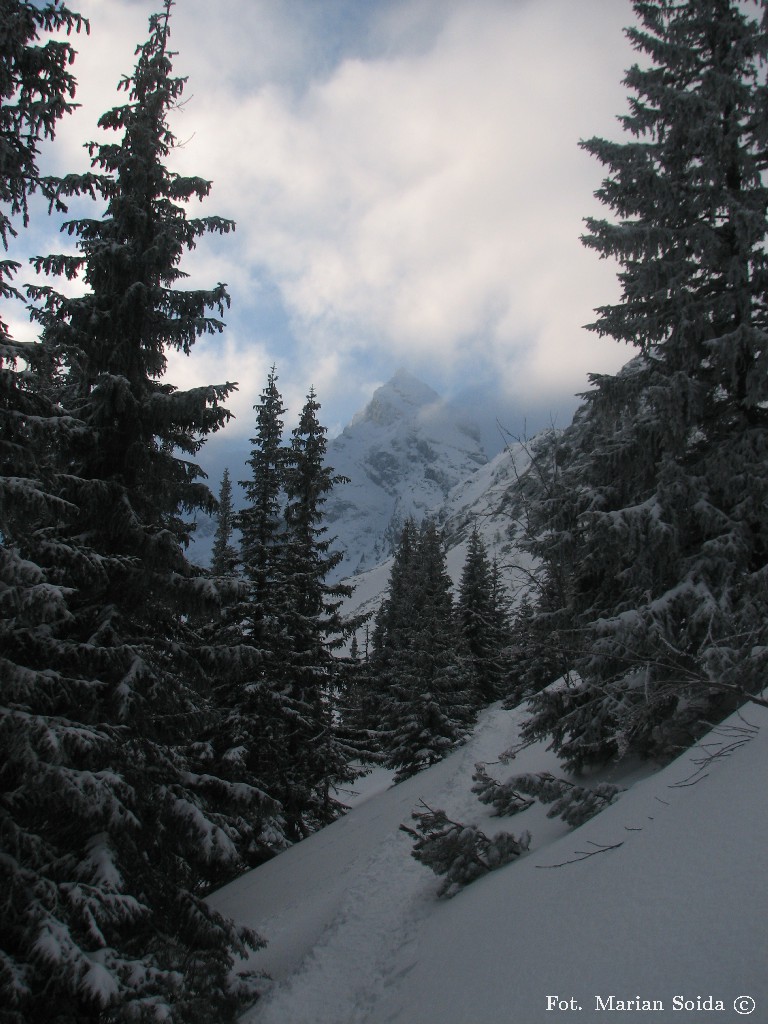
[574, 804]
[460, 852]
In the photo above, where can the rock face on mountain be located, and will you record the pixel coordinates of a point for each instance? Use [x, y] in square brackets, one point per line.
[404, 454]
[491, 500]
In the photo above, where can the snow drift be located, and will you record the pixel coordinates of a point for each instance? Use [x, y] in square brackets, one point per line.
[659, 896]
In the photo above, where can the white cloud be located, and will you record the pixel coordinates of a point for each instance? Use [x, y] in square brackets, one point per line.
[230, 360]
[432, 201]
[417, 200]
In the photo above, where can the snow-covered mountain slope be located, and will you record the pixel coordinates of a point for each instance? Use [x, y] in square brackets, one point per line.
[410, 453]
[490, 499]
[660, 897]
[403, 454]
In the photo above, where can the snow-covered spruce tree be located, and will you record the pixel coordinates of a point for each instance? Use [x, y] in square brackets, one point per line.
[504, 797]
[111, 835]
[390, 632]
[280, 723]
[521, 653]
[482, 611]
[260, 521]
[246, 738]
[240, 740]
[316, 758]
[37, 89]
[462, 853]
[257, 693]
[574, 804]
[669, 537]
[426, 705]
[224, 556]
[357, 720]
[541, 635]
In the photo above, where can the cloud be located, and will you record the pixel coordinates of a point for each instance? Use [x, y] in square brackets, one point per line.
[405, 177]
[229, 360]
[431, 201]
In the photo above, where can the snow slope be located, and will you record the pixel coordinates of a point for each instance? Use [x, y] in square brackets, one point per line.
[679, 906]
[491, 500]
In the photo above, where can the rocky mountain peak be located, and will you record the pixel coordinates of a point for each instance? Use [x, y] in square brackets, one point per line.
[401, 399]
[403, 454]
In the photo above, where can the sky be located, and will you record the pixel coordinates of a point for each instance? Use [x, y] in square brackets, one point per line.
[407, 184]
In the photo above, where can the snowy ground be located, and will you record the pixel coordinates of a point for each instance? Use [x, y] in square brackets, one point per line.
[678, 909]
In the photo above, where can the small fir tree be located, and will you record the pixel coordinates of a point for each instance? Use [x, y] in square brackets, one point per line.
[318, 761]
[462, 853]
[482, 611]
[393, 621]
[354, 709]
[504, 797]
[224, 556]
[260, 521]
[425, 706]
[251, 737]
